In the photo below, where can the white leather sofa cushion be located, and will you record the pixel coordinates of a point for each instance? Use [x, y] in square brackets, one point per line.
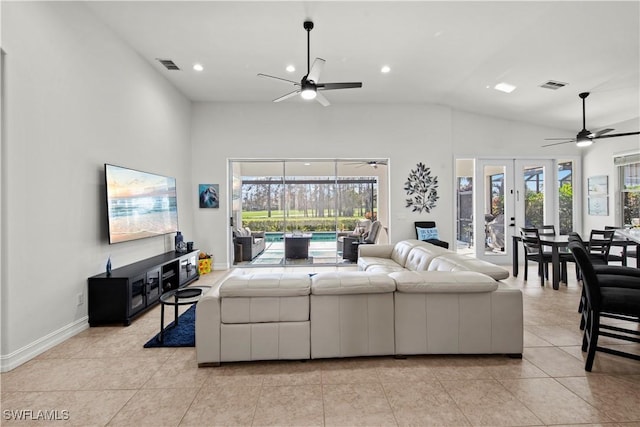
[261, 298]
[373, 254]
[457, 262]
[266, 285]
[419, 258]
[264, 341]
[352, 325]
[351, 282]
[443, 282]
[459, 323]
[264, 309]
[378, 265]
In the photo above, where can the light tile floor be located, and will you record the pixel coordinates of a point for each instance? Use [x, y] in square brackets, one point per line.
[104, 376]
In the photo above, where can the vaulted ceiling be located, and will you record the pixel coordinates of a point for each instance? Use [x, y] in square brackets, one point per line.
[447, 53]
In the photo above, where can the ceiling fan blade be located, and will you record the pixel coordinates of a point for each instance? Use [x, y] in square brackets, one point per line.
[331, 86]
[560, 139]
[602, 132]
[289, 95]
[558, 143]
[267, 76]
[322, 100]
[617, 134]
[316, 69]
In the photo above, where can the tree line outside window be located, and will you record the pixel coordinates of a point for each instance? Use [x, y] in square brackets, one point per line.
[307, 204]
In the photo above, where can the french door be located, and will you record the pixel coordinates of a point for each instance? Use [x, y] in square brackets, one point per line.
[509, 194]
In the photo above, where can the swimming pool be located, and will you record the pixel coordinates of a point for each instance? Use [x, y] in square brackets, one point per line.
[318, 236]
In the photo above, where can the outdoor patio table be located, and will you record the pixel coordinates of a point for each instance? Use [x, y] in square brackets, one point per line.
[296, 246]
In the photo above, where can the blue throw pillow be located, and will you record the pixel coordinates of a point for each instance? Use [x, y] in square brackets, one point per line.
[427, 233]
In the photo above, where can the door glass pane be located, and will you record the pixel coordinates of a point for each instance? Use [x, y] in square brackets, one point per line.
[464, 206]
[310, 212]
[534, 196]
[495, 204]
[565, 196]
[309, 203]
[630, 176]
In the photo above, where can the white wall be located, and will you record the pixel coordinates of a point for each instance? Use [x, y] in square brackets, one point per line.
[408, 134]
[598, 160]
[76, 97]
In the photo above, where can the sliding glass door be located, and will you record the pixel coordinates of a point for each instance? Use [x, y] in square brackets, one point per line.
[304, 208]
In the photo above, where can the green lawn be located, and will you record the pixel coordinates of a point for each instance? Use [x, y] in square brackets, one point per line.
[260, 221]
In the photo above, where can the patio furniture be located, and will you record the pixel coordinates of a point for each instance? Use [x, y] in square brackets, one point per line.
[362, 227]
[351, 244]
[296, 246]
[252, 243]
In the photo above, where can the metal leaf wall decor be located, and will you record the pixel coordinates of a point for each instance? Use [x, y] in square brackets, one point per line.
[423, 189]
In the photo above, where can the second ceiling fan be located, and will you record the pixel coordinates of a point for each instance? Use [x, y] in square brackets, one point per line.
[309, 86]
[586, 137]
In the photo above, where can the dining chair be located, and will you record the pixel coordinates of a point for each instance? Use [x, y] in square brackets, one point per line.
[626, 249]
[600, 244]
[547, 230]
[533, 252]
[565, 255]
[616, 302]
[607, 274]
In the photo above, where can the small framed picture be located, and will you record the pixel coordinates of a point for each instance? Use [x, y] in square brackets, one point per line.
[208, 195]
[598, 192]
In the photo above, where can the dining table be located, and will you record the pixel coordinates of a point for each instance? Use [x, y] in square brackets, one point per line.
[632, 238]
[557, 243]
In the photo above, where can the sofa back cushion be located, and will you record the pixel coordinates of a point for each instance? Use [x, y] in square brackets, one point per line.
[424, 282]
[419, 259]
[401, 251]
[457, 262]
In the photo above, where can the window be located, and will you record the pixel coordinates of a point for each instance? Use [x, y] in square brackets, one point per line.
[629, 172]
[565, 196]
[497, 194]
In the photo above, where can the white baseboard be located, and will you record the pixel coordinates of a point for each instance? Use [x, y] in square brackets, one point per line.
[29, 351]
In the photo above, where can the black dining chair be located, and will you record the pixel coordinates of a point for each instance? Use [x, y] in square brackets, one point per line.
[547, 230]
[565, 255]
[607, 274]
[599, 244]
[533, 252]
[618, 248]
[620, 303]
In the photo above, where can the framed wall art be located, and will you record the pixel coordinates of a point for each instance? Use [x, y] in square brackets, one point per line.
[208, 195]
[598, 195]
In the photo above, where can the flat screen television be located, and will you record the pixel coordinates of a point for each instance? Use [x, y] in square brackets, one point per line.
[139, 204]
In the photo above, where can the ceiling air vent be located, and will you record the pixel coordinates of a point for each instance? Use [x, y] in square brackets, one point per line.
[168, 64]
[553, 85]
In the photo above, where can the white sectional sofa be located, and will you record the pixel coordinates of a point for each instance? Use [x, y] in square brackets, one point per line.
[410, 298]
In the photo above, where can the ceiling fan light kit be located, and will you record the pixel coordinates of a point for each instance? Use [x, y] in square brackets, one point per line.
[584, 138]
[309, 85]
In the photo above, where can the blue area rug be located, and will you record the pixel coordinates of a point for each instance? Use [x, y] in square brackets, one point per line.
[183, 335]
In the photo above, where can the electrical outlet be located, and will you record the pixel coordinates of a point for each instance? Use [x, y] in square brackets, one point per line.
[80, 298]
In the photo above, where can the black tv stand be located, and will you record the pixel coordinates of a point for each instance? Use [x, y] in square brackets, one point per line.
[133, 289]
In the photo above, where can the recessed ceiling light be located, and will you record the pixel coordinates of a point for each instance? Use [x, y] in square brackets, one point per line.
[290, 68]
[504, 87]
[307, 164]
[385, 69]
[198, 67]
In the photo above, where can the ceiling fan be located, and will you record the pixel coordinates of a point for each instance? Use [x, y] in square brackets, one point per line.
[586, 137]
[309, 86]
[373, 163]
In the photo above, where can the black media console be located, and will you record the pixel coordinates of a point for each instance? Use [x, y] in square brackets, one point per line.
[131, 290]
